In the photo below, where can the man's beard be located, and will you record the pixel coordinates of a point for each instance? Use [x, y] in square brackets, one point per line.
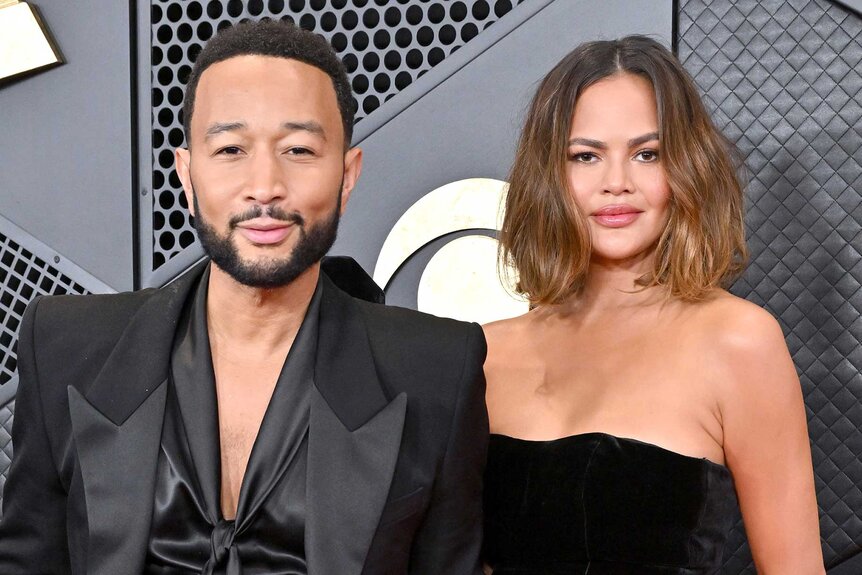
[313, 243]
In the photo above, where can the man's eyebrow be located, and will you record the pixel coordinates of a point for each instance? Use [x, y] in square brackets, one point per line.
[221, 127]
[307, 126]
[643, 139]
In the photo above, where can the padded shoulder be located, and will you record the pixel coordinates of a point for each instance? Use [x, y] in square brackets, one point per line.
[411, 328]
[62, 320]
[72, 336]
[410, 345]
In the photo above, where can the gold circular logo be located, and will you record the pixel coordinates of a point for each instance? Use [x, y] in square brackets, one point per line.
[461, 281]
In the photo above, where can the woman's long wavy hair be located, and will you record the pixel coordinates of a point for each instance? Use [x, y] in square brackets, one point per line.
[546, 238]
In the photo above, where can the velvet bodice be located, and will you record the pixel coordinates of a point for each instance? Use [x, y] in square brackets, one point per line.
[598, 504]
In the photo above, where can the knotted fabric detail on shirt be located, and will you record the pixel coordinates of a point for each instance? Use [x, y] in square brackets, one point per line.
[224, 553]
[267, 535]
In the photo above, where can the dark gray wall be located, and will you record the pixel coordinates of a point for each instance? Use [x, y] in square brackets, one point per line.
[66, 141]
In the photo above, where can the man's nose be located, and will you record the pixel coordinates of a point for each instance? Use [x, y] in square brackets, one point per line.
[266, 182]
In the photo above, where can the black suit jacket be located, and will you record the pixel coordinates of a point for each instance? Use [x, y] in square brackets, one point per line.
[397, 437]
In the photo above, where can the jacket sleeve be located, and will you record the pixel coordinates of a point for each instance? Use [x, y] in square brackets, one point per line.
[450, 538]
[33, 524]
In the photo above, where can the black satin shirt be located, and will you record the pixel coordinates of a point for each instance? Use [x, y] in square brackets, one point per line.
[188, 533]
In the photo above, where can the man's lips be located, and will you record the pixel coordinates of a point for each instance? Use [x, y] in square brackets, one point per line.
[264, 231]
[616, 216]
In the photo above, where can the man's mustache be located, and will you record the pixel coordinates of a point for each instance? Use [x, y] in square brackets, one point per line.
[272, 211]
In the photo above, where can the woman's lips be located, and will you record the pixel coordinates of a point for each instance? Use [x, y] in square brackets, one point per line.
[265, 235]
[617, 216]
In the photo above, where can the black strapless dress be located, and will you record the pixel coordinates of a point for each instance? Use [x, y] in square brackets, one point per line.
[601, 505]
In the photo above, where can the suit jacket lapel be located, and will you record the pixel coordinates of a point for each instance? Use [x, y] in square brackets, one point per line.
[140, 359]
[117, 425]
[194, 382]
[118, 468]
[354, 441]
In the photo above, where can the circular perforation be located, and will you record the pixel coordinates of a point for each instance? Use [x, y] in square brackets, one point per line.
[385, 46]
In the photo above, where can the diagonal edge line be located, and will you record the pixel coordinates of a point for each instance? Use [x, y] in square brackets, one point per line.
[174, 267]
[852, 6]
[65, 265]
[447, 68]
[848, 565]
[8, 390]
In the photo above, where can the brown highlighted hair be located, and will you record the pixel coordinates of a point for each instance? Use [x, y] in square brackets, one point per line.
[545, 236]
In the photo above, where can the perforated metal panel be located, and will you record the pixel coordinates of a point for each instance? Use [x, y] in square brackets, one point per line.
[385, 46]
[23, 276]
[783, 81]
[25, 272]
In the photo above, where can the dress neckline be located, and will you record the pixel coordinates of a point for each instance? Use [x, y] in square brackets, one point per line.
[602, 434]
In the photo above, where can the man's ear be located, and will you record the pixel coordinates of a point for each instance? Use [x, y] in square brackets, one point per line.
[182, 163]
[352, 169]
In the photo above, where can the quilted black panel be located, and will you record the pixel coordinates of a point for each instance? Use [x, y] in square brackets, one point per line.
[783, 81]
[5, 443]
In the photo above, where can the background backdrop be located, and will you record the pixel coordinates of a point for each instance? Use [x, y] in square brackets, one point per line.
[89, 201]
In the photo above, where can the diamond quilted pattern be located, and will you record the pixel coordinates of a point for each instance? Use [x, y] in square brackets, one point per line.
[6, 413]
[782, 79]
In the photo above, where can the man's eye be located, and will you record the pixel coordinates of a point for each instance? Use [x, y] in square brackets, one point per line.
[299, 151]
[229, 151]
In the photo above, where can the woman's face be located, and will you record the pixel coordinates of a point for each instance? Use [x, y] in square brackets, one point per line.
[614, 169]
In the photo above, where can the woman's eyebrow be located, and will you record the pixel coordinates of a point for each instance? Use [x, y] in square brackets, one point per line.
[588, 142]
[603, 146]
[643, 139]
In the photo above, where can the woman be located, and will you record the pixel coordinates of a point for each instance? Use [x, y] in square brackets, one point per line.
[637, 399]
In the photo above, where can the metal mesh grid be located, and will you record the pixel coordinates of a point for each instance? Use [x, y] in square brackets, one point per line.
[385, 46]
[23, 276]
[782, 79]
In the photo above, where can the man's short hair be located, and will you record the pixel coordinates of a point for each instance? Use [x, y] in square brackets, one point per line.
[280, 40]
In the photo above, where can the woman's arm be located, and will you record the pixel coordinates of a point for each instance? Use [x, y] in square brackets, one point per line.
[766, 444]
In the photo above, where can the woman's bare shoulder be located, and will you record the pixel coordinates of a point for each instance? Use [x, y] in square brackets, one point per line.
[512, 349]
[746, 347]
[736, 325]
[504, 329]
[503, 336]
[512, 364]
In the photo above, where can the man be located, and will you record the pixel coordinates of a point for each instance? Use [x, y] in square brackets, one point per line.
[250, 417]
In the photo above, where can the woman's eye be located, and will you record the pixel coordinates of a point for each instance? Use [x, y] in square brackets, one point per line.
[584, 157]
[647, 155]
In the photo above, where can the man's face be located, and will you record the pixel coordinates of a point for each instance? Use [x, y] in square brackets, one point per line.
[266, 175]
